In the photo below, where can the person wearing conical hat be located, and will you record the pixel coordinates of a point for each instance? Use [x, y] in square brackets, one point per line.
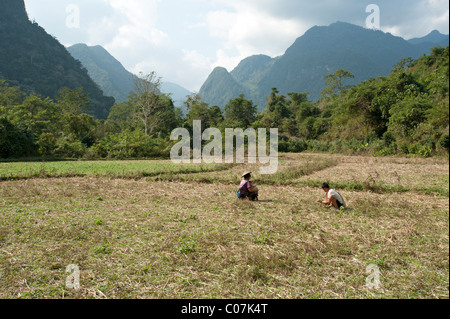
[247, 189]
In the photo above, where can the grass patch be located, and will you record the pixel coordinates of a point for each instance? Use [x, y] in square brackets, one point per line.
[109, 169]
[187, 239]
[380, 187]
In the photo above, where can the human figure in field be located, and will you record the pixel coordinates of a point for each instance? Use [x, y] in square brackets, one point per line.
[247, 189]
[334, 199]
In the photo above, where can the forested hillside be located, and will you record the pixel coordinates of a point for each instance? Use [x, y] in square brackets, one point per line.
[105, 70]
[38, 63]
[112, 77]
[319, 52]
[404, 113]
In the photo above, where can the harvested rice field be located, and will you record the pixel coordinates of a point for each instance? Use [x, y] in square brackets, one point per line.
[154, 230]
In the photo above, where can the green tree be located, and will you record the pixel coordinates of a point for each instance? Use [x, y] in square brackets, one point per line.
[121, 117]
[37, 115]
[407, 115]
[145, 98]
[15, 141]
[73, 101]
[404, 64]
[276, 112]
[10, 95]
[335, 83]
[197, 111]
[216, 116]
[296, 100]
[79, 127]
[239, 113]
[167, 116]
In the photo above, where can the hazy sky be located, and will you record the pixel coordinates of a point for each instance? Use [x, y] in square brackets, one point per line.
[183, 40]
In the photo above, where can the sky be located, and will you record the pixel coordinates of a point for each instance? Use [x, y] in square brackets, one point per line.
[184, 40]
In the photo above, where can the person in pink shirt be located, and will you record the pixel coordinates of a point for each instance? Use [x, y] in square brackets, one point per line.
[247, 189]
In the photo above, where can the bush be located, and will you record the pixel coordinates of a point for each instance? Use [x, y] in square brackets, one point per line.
[420, 149]
[70, 148]
[444, 142]
[381, 149]
[425, 151]
[292, 146]
[371, 137]
[46, 144]
[319, 146]
[283, 146]
[354, 145]
[129, 145]
[388, 139]
[14, 141]
[404, 148]
[298, 146]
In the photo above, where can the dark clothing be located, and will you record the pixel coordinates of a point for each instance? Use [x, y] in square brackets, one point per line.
[250, 196]
[243, 188]
[243, 191]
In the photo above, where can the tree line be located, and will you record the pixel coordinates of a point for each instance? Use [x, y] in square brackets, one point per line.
[406, 112]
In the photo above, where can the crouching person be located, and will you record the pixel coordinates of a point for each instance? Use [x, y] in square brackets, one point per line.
[334, 199]
[247, 189]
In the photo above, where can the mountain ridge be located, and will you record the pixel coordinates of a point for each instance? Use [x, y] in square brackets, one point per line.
[40, 64]
[319, 52]
[434, 37]
[113, 77]
[104, 69]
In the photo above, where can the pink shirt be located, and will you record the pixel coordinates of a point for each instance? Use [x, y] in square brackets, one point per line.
[245, 186]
